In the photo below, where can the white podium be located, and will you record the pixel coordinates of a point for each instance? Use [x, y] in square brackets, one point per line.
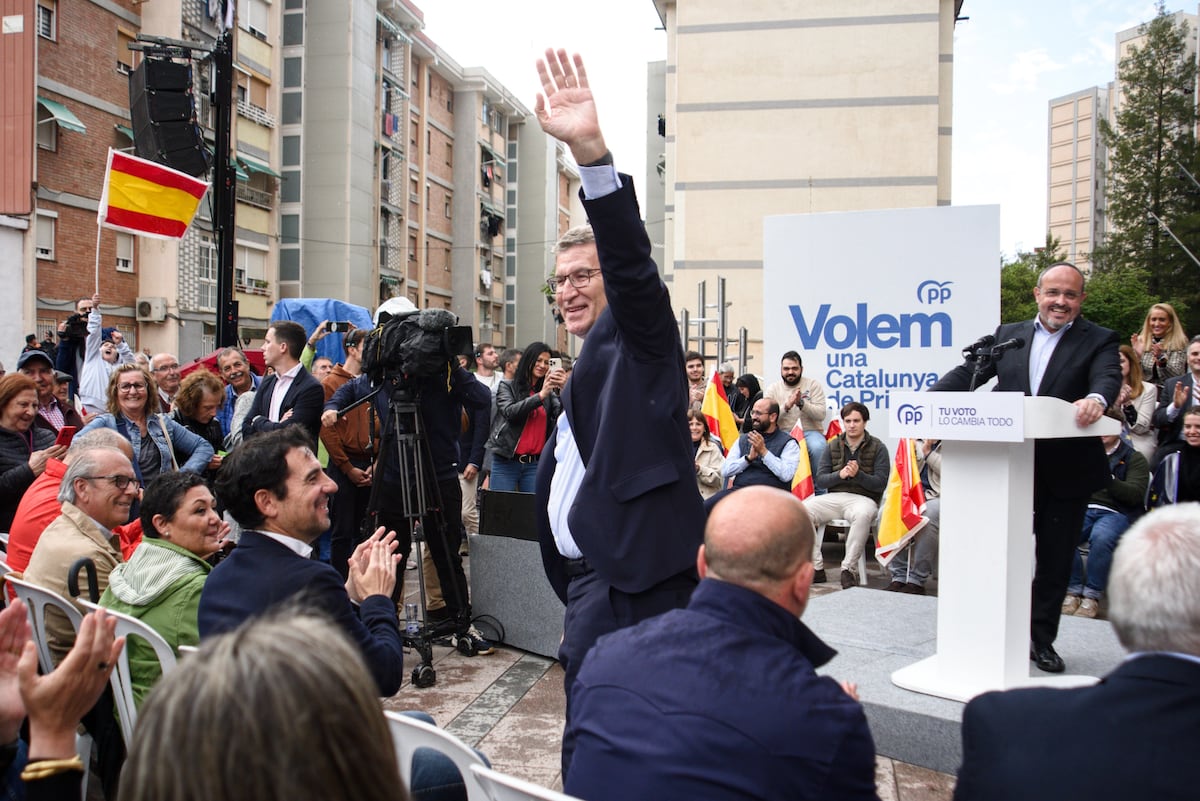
[986, 549]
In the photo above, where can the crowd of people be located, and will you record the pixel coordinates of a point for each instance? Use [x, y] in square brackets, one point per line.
[267, 520]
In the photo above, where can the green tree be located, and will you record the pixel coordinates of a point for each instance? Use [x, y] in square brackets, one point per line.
[1154, 136]
[1018, 278]
[1118, 299]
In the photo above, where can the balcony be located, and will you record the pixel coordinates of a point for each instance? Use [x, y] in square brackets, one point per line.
[255, 197]
[255, 114]
[254, 286]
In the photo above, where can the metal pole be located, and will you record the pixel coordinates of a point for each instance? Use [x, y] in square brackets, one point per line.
[225, 190]
[1191, 255]
[683, 327]
[743, 345]
[722, 320]
[701, 323]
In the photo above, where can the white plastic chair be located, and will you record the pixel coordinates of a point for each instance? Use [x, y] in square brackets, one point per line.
[36, 600]
[120, 679]
[409, 734]
[502, 787]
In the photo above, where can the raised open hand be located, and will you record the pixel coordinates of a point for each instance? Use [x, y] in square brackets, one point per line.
[565, 108]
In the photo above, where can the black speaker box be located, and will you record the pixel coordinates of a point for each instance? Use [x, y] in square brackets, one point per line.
[161, 108]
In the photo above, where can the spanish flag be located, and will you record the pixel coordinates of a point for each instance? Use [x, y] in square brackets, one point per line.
[715, 409]
[903, 504]
[148, 199]
[802, 480]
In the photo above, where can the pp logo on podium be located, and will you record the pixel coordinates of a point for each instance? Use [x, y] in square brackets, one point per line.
[908, 414]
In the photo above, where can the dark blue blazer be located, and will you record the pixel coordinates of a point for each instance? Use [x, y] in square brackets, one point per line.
[1133, 735]
[1171, 430]
[637, 518]
[261, 573]
[1085, 361]
[305, 398]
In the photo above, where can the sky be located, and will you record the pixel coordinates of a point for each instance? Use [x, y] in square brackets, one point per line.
[1010, 58]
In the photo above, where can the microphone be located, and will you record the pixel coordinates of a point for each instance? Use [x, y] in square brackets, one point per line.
[981, 344]
[1016, 343]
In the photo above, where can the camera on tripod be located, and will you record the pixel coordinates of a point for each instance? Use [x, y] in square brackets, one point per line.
[414, 345]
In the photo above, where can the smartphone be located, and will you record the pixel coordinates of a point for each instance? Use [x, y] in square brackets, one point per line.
[339, 326]
[556, 364]
[65, 435]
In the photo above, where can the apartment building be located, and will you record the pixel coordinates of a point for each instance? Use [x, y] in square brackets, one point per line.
[1077, 159]
[790, 107]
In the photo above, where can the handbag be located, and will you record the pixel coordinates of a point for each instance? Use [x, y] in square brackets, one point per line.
[162, 419]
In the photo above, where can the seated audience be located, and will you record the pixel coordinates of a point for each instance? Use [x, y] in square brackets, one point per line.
[1161, 345]
[1177, 476]
[709, 460]
[275, 489]
[749, 391]
[651, 720]
[96, 493]
[1110, 512]
[766, 455]
[1136, 402]
[40, 505]
[161, 583]
[1129, 736]
[854, 470]
[49, 767]
[24, 448]
[1178, 396]
[200, 396]
[290, 692]
[159, 443]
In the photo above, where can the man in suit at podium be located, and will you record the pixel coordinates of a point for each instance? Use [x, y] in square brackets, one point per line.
[1130, 735]
[619, 515]
[1062, 356]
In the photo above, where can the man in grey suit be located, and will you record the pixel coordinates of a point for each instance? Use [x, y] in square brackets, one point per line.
[1067, 357]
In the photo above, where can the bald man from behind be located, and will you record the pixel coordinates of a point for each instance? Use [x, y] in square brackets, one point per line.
[744, 717]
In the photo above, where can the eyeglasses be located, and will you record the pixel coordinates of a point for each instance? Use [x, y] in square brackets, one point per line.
[166, 368]
[1058, 293]
[131, 387]
[578, 279]
[120, 482]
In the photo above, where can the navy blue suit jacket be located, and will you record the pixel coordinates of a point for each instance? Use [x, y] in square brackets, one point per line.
[638, 518]
[653, 718]
[261, 573]
[1084, 361]
[1132, 735]
[305, 399]
[1170, 430]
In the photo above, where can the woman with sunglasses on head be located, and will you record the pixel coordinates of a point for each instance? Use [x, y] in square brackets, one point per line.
[159, 443]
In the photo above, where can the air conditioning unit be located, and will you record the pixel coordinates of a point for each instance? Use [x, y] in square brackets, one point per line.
[151, 310]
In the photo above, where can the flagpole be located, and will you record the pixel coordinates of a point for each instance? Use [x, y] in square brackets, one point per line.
[97, 289]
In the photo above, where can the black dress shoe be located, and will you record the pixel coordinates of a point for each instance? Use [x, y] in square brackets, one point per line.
[819, 577]
[895, 586]
[1046, 658]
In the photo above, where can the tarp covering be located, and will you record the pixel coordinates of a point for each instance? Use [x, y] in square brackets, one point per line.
[309, 312]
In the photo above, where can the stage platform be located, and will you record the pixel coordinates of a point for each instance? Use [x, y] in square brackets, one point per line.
[876, 633]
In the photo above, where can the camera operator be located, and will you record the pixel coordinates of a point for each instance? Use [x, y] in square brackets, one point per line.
[440, 399]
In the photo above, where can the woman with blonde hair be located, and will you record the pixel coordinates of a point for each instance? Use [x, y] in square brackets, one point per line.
[1136, 402]
[1162, 345]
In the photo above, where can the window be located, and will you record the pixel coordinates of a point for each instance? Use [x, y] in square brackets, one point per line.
[449, 205]
[126, 59]
[47, 129]
[293, 29]
[293, 72]
[254, 18]
[249, 266]
[124, 253]
[446, 258]
[46, 222]
[46, 27]
[412, 247]
[449, 154]
[206, 289]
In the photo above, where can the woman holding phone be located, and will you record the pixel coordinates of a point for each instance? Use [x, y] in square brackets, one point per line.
[24, 448]
[527, 409]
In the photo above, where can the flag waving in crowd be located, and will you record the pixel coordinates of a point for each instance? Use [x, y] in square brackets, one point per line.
[904, 504]
[802, 480]
[716, 409]
[148, 199]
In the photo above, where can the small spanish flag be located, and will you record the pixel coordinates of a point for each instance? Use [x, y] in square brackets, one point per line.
[148, 199]
[802, 479]
[902, 515]
[720, 417]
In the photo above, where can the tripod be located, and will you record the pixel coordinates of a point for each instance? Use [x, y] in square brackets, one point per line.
[420, 503]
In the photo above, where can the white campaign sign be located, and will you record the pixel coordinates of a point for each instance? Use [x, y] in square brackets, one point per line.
[975, 416]
[879, 302]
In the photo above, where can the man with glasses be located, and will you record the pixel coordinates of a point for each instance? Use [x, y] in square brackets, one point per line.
[620, 519]
[165, 367]
[766, 454]
[1067, 357]
[97, 492]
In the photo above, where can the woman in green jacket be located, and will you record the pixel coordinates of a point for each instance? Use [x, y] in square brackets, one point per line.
[161, 583]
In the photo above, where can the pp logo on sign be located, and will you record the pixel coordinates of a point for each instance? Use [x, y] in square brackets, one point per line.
[910, 415]
[931, 292]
